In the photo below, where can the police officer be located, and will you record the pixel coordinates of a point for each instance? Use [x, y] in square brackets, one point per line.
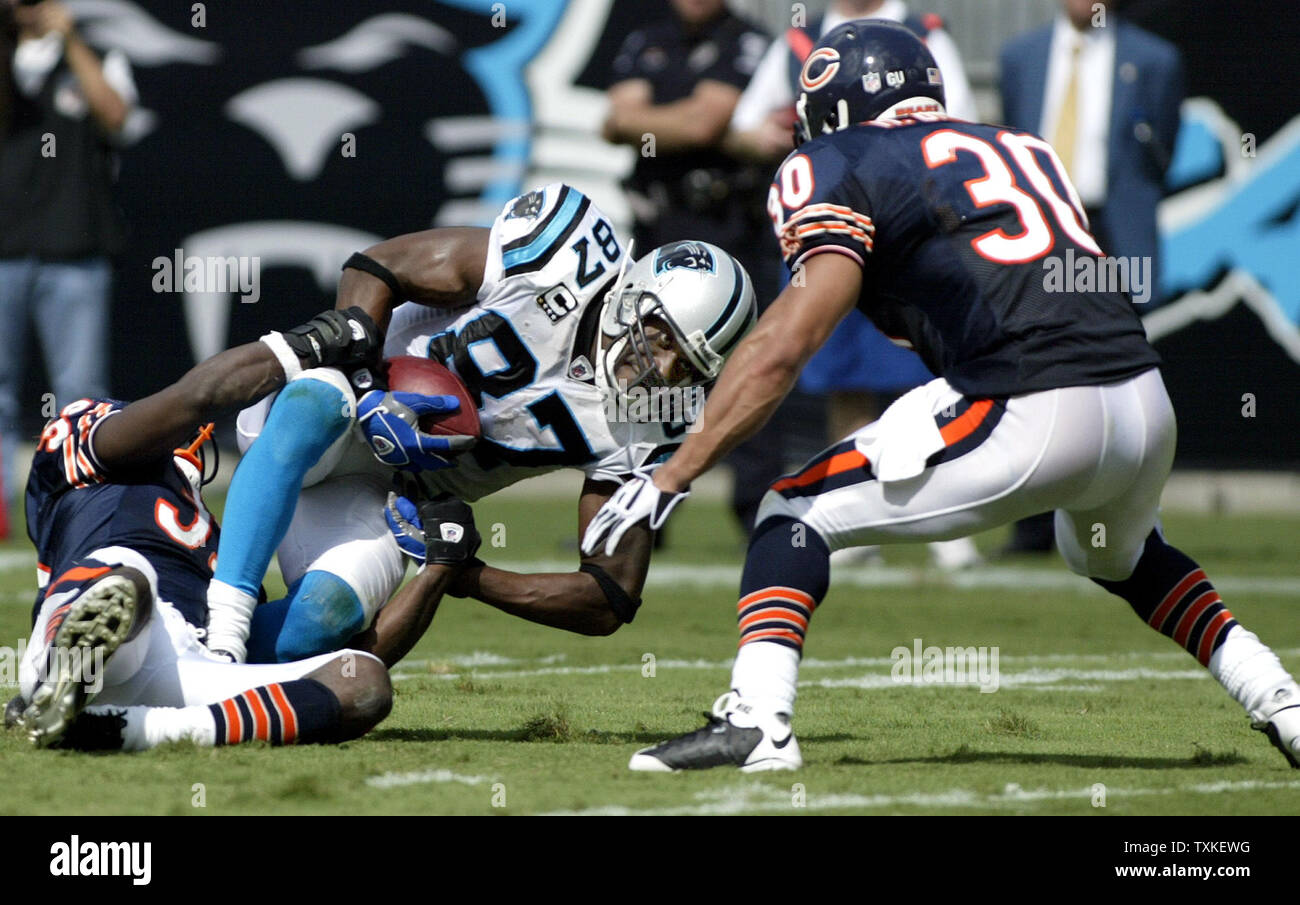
[678, 83]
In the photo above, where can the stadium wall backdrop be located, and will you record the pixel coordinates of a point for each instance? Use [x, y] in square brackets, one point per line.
[240, 149]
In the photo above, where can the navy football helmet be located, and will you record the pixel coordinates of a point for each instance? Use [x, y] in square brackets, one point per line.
[860, 71]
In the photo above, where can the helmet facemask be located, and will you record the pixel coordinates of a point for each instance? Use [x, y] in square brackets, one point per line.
[630, 312]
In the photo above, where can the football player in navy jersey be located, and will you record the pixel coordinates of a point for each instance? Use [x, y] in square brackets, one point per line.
[126, 549]
[939, 231]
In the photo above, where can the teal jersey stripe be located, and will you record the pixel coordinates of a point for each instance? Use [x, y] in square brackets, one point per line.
[562, 221]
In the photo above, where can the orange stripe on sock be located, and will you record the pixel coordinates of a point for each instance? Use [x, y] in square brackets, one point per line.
[771, 615]
[288, 719]
[1211, 633]
[1194, 612]
[234, 722]
[777, 592]
[1171, 599]
[261, 719]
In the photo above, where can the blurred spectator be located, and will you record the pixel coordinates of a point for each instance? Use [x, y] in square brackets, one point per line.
[1106, 95]
[858, 368]
[678, 83]
[60, 108]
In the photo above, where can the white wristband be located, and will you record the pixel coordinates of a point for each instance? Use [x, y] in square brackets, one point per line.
[287, 357]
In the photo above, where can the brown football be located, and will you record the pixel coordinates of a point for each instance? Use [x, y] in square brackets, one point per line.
[412, 374]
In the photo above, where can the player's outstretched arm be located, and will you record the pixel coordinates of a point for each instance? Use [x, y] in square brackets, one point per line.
[152, 427]
[765, 366]
[595, 600]
[438, 267]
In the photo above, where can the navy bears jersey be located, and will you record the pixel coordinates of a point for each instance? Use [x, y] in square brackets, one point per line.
[74, 507]
[957, 227]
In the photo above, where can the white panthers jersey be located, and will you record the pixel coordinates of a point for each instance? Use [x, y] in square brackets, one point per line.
[525, 351]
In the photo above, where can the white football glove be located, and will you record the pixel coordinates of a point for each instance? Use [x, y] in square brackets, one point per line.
[636, 500]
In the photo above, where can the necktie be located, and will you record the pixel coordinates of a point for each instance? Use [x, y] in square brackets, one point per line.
[1067, 122]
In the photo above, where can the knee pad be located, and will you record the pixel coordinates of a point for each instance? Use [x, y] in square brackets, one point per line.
[323, 614]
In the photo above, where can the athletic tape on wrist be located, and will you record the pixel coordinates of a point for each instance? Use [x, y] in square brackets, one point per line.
[367, 264]
[286, 356]
[620, 601]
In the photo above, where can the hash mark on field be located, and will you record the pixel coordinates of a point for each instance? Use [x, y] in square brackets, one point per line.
[395, 780]
[757, 797]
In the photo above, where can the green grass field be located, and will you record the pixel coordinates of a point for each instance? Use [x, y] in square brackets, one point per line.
[497, 716]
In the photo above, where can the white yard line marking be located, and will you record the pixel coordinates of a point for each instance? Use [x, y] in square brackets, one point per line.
[677, 576]
[1034, 676]
[756, 797]
[395, 780]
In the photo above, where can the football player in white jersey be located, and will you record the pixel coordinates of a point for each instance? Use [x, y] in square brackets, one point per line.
[570, 352]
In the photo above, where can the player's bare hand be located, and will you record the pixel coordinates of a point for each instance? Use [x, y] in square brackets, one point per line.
[637, 500]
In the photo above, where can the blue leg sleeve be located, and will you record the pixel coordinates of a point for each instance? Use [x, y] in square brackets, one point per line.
[306, 418]
[320, 614]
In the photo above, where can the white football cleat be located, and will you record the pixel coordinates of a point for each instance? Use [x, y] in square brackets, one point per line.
[98, 622]
[736, 735]
[1282, 726]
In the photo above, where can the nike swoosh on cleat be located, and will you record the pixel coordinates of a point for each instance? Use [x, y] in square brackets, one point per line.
[785, 741]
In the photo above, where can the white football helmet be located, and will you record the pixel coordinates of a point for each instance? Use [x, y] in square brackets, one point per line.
[697, 289]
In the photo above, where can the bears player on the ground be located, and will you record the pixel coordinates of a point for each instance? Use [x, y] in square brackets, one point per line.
[531, 314]
[938, 231]
[125, 549]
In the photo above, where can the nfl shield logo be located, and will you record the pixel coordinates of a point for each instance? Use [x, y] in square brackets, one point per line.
[871, 82]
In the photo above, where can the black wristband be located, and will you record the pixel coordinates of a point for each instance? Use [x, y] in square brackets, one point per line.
[367, 264]
[620, 601]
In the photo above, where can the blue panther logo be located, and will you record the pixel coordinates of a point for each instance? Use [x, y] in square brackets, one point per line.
[688, 255]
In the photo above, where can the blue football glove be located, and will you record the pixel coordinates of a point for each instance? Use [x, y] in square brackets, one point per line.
[436, 531]
[390, 422]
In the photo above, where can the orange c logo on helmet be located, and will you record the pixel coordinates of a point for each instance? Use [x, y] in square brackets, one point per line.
[831, 56]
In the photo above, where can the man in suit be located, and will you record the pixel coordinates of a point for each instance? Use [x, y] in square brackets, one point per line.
[1106, 95]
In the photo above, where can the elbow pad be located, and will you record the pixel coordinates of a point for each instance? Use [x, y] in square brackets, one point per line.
[620, 601]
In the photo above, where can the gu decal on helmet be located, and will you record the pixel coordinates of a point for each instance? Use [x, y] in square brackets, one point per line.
[688, 255]
[831, 57]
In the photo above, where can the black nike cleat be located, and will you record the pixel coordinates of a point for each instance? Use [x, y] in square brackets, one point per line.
[14, 710]
[767, 743]
[96, 729]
